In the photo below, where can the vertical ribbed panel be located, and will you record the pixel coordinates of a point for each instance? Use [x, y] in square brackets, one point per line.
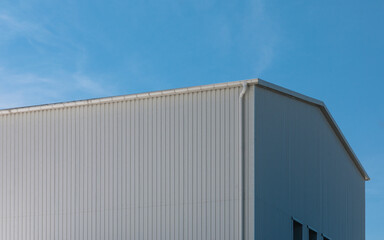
[156, 168]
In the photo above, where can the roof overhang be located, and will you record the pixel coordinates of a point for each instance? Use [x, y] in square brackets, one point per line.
[258, 82]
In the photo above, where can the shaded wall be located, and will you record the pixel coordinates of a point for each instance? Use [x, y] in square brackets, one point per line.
[303, 171]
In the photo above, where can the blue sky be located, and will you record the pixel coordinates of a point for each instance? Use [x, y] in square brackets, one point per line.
[333, 50]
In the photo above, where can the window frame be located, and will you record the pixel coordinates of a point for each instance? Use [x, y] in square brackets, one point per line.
[293, 220]
[313, 230]
[325, 237]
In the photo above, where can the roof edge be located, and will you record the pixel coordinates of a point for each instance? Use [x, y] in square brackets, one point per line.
[326, 113]
[255, 81]
[119, 98]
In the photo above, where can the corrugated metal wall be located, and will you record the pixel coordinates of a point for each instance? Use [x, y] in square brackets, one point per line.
[156, 168]
[302, 170]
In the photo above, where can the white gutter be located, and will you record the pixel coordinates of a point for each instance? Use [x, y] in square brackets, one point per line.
[125, 97]
[241, 162]
[258, 82]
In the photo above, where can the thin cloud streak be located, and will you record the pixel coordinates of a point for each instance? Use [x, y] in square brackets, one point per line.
[20, 87]
[11, 28]
[263, 35]
[24, 89]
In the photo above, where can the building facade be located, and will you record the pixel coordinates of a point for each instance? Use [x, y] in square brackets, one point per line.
[239, 160]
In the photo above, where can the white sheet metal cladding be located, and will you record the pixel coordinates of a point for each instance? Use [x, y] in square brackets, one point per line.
[153, 168]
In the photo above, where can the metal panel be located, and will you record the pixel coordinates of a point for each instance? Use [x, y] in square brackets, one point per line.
[258, 82]
[303, 171]
[160, 167]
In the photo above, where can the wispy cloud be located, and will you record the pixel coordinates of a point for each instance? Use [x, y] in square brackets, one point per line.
[21, 89]
[263, 35]
[254, 32]
[54, 82]
[12, 27]
[86, 84]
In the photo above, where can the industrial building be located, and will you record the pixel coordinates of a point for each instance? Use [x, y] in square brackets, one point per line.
[234, 161]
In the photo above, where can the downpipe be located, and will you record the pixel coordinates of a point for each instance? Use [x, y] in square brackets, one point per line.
[241, 162]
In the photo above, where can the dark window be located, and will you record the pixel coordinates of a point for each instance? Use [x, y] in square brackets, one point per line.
[297, 230]
[312, 235]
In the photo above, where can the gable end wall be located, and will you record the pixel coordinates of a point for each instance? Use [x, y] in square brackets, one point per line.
[303, 171]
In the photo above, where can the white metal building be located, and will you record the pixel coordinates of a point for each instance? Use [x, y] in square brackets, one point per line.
[234, 161]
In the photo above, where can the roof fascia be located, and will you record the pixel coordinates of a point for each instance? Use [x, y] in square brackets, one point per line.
[326, 113]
